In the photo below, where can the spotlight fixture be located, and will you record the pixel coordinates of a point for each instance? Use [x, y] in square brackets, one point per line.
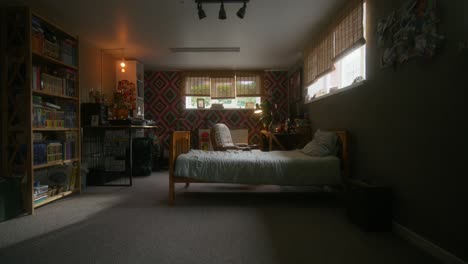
[222, 12]
[241, 12]
[201, 12]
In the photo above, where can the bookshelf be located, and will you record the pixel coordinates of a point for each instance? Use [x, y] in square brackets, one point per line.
[40, 107]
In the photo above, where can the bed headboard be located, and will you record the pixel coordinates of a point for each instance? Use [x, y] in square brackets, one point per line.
[343, 136]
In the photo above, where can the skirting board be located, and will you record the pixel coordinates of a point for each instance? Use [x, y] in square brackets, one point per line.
[437, 252]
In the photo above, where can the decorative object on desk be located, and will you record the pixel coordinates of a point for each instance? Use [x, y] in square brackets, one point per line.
[95, 120]
[127, 89]
[200, 103]
[258, 110]
[217, 106]
[250, 105]
[120, 113]
[96, 97]
[408, 32]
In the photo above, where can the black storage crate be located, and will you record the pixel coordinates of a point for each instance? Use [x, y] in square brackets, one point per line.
[370, 207]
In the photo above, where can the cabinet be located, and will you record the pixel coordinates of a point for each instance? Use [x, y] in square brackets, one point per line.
[132, 79]
[40, 107]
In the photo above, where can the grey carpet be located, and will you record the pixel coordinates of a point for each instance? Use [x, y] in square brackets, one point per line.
[209, 224]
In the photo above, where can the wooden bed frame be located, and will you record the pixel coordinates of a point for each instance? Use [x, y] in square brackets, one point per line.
[180, 144]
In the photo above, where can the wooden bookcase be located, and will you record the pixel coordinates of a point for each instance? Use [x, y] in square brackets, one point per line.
[40, 107]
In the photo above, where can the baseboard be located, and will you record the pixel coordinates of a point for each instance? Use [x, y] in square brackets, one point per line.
[432, 249]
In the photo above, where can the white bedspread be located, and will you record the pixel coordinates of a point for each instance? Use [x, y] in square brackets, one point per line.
[257, 167]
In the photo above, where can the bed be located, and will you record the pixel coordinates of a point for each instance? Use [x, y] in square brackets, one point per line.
[285, 168]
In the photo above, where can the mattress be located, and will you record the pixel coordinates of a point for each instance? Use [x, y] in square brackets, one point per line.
[257, 167]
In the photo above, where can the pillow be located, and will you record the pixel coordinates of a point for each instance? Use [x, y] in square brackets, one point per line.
[323, 144]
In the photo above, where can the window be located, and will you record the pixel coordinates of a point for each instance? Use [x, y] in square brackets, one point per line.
[232, 90]
[336, 59]
[347, 71]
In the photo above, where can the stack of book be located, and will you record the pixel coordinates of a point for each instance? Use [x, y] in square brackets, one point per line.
[40, 193]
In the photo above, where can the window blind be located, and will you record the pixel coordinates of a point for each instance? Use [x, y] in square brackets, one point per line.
[248, 84]
[196, 84]
[325, 55]
[349, 32]
[344, 33]
[310, 68]
[223, 85]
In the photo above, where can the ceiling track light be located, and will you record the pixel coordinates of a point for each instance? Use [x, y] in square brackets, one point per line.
[241, 12]
[222, 12]
[201, 12]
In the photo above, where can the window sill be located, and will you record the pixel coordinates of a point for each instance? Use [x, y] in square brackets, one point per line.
[211, 109]
[349, 87]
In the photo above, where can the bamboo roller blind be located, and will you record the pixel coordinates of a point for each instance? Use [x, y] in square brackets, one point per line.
[345, 32]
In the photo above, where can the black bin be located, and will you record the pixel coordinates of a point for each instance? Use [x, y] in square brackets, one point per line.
[142, 156]
[370, 207]
[11, 202]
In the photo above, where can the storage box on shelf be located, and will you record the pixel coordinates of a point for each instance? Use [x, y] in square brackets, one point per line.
[41, 76]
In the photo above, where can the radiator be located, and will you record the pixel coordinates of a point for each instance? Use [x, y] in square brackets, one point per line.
[238, 136]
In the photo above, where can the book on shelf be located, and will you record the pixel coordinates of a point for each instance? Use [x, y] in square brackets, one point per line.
[40, 196]
[51, 105]
[41, 189]
[40, 199]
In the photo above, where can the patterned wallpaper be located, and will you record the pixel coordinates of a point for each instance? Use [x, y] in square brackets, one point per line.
[165, 104]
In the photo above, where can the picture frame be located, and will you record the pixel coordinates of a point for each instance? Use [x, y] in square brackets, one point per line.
[200, 103]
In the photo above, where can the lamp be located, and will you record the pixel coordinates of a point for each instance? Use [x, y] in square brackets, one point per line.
[122, 63]
[222, 12]
[201, 12]
[258, 110]
[241, 12]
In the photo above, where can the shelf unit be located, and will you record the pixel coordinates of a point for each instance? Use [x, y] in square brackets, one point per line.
[40, 68]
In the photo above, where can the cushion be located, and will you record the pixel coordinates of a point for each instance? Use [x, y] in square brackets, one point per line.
[222, 135]
[323, 144]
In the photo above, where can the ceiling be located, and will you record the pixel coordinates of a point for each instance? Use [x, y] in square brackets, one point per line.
[271, 36]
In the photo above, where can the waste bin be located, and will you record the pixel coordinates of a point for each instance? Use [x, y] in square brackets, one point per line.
[370, 206]
[142, 156]
[10, 198]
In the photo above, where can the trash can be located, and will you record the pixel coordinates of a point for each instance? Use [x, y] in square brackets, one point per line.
[11, 201]
[369, 206]
[142, 156]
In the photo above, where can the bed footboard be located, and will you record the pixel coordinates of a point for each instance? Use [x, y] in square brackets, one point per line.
[180, 144]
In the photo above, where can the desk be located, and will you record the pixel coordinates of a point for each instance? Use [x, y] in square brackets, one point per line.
[109, 153]
[285, 141]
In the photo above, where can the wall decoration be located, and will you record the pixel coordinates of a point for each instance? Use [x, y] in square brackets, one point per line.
[409, 32]
[295, 93]
[165, 105]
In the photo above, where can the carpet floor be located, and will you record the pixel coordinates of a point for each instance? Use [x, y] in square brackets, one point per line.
[210, 223]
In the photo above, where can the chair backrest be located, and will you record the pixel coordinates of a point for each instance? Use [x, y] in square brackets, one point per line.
[220, 137]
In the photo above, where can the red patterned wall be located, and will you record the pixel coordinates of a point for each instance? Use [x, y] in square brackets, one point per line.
[165, 104]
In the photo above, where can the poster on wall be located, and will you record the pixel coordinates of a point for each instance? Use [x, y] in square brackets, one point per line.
[295, 86]
[408, 32]
[295, 93]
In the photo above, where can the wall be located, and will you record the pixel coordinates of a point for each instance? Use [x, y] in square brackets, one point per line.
[407, 129]
[165, 104]
[97, 71]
